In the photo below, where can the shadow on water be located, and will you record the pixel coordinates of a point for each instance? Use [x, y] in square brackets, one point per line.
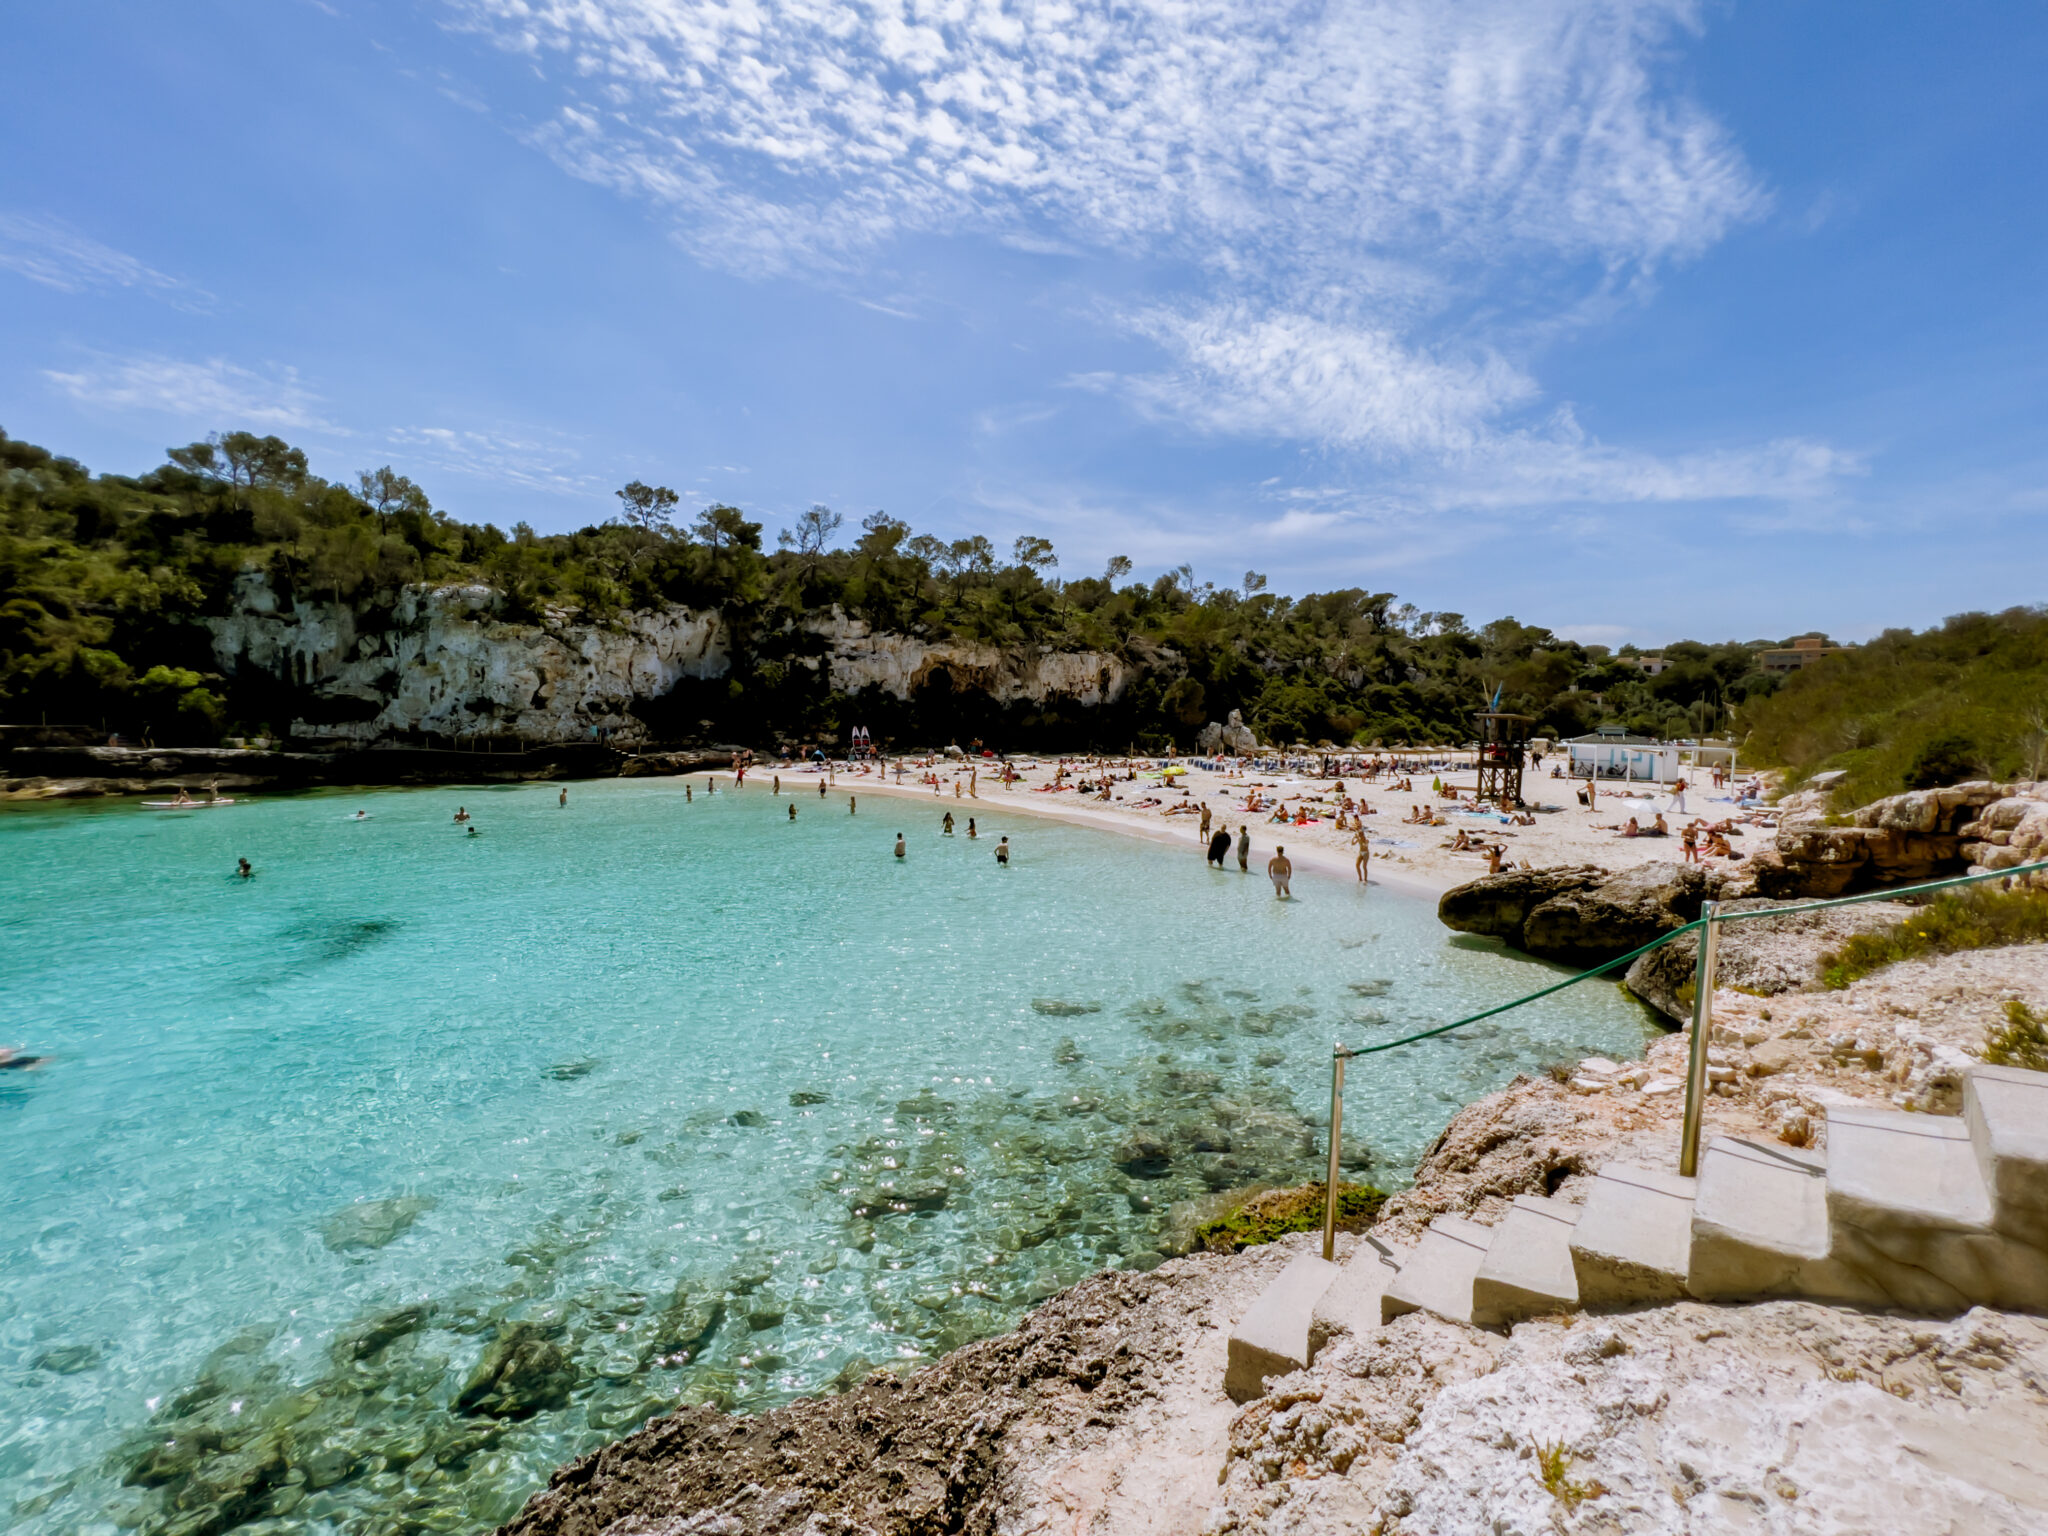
[331, 940]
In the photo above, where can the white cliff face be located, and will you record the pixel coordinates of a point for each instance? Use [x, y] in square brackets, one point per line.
[902, 665]
[445, 665]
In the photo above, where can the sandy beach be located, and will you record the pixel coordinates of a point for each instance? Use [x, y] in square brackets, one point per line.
[1410, 857]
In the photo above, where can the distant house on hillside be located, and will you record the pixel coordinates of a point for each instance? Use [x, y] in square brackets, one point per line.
[1802, 652]
[1653, 666]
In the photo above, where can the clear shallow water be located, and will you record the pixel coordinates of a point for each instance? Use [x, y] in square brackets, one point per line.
[546, 1076]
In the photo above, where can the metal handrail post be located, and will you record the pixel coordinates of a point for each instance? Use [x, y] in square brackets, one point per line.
[1702, 1028]
[1337, 1059]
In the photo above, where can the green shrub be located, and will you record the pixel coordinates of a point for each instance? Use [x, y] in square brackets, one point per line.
[1976, 918]
[1553, 1470]
[1278, 1212]
[2023, 1042]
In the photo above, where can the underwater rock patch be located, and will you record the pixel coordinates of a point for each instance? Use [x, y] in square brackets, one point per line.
[803, 1098]
[522, 1371]
[569, 1071]
[373, 1223]
[1060, 1009]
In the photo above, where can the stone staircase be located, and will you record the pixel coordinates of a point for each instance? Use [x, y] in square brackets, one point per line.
[1928, 1213]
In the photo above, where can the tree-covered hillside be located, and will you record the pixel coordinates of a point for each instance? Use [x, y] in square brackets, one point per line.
[104, 579]
[1967, 700]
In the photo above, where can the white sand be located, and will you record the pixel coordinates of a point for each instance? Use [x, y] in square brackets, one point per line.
[1403, 856]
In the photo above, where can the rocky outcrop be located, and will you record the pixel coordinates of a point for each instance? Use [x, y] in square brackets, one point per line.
[1894, 841]
[2009, 833]
[858, 657]
[1582, 915]
[444, 662]
[1232, 736]
[1498, 906]
[1762, 956]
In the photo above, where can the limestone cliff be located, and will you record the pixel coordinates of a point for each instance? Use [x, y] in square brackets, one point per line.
[445, 662]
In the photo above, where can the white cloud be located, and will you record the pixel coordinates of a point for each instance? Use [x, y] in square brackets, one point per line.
[811, 128]
[213, 393]
[52, 253]
[532, 459]
[1369, 215]
[1283, 375]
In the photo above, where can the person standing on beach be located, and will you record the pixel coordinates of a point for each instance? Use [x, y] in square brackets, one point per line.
[1364, 852]
[900, 849]
[778, 783]
[1244, 850]
[1280, 871]
[1206, 817]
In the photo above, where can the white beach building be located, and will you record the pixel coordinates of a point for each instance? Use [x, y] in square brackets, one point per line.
[1611, 753]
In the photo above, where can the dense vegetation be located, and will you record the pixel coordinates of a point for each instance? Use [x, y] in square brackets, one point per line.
[105, 579]
[1974, 917]
[1967, 700]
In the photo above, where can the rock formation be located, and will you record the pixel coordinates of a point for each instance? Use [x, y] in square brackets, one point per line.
[1233, 736]
[445, 662]
[1916, 836]
[1581, 915]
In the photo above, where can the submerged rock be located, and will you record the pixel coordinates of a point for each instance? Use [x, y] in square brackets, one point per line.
[1143, 1157]
[365, 1340]
[373, 1223]
[67, 1359]
[522, 1371]
[751, 1119]
[569, 1071]
[803, 1098]
[1059, 1009]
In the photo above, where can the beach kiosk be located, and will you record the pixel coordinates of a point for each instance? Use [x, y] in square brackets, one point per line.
[1503, 748]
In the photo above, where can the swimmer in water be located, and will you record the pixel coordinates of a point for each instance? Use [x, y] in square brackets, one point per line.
[792, 810]
[971, 833]
[565, 796]
[360, 816]
[900, 849]
[473, 831]
[1003, 853]
[11, 1060]
[853, 805]
[243, 868]
[946, 826]
[687, 796]
[461, 815]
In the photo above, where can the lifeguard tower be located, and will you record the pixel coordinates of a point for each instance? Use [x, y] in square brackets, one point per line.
[1503, 748]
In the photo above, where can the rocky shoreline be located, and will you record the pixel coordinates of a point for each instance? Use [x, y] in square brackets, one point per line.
[84, 773]
[1104, 1411]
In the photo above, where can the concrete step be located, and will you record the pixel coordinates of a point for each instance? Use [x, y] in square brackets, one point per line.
[2006, 1109]
[1272, 1338]
[1438, 1275]
[1352, 1303]
[1528, 1266]
[1909, 1208]
[1760, 1227]
[1633, 1241]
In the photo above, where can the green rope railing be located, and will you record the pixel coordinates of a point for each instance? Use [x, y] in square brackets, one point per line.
[1891, 894]
[1703, 985]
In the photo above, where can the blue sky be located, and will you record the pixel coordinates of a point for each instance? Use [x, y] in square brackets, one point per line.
[1637, 320]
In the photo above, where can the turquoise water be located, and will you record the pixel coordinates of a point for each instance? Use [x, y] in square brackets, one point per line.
[705, 1104]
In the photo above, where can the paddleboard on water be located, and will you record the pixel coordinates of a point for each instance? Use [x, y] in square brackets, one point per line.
[184, 805]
